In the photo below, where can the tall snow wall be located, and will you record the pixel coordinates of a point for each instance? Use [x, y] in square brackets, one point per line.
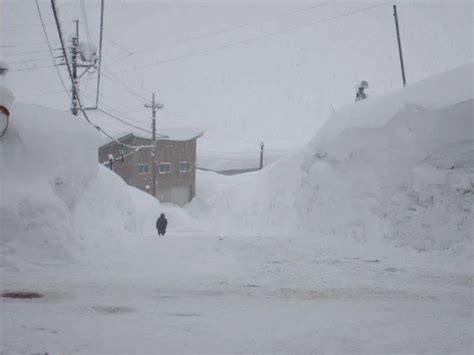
[397, 168]
[55, 199]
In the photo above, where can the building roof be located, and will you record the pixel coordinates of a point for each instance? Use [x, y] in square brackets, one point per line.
[173, 134]
[180, 134]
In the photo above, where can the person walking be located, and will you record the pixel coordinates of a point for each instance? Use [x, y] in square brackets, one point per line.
[161, 224]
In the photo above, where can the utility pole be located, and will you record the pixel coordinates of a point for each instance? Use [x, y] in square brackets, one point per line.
[78, 60]
[399, 44]
[74, 46]
[261, 155]
[111, 162]
[154, 107]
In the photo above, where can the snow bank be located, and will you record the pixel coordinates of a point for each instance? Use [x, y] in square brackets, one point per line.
[6, 99]
[397, 168]
[54, 199]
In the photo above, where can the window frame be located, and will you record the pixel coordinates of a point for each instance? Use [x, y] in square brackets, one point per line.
[186, 170]
[164, 164]
[143, 172]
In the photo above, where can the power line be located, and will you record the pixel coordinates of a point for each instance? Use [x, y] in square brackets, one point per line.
[29, 60]
[111, 76]
[39, 93]
[117, 80]
[113, 109]
[120, 47]
[22, 53]
[33, 68]
[123, 156]
[229, 29]
[252, 39]
[84, 18]
[80, 106]
[114, 116]
[66, 59]
[99, 65]
[123, 121]
[51, 49]
[22, 45]
[28, 25]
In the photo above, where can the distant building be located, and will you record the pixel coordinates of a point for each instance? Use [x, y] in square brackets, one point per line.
[175, 163]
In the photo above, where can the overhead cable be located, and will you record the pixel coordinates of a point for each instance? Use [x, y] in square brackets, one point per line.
[252, 39]
[229, 29]
[51, 49]
[81, 107]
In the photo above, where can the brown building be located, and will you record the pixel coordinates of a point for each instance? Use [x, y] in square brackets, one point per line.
[175, 163]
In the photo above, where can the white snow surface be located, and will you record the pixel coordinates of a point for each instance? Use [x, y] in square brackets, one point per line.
[53, 192]
[292, 259]
[6, 97]
[396, 168]
[87, 50]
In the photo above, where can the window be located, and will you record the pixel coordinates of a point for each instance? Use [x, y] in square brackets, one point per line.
[165, 168]
[184, 166]
[143, 168]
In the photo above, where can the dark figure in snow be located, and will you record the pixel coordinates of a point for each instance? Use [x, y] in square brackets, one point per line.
[361, 94]
[161, 224]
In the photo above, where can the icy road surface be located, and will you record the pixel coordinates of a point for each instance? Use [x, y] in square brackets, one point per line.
[190, 292]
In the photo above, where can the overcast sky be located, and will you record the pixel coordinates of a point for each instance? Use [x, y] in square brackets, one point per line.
[243, 71]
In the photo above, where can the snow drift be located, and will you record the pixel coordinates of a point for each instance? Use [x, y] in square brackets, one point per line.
[55, 199]
[396, 168]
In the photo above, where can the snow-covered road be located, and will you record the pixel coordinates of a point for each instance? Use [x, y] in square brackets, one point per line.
[191, 292]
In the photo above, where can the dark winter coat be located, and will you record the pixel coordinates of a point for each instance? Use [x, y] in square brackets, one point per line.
[161, 224]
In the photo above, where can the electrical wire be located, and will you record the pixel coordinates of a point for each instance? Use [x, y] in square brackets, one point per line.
[26, 26]
[39, 93]
[21, 45]
[229, 29]
[51, 49]
[81, 108]
[123, 121]
[252, 39]
[118, 81]
[100, 51]
[120, 47]
[114, 113]
[33, 68]
[29, 60]
[124, 156]
[23, 53]
[111, 76]
[84, 18]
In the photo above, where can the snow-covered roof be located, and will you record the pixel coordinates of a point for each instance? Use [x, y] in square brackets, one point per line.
[180, 133]
[174, 134]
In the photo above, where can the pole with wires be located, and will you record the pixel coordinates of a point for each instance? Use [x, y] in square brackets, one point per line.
[74, 46]
[399, 45]
[69, 70]
[154, 107]
[100, 52]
